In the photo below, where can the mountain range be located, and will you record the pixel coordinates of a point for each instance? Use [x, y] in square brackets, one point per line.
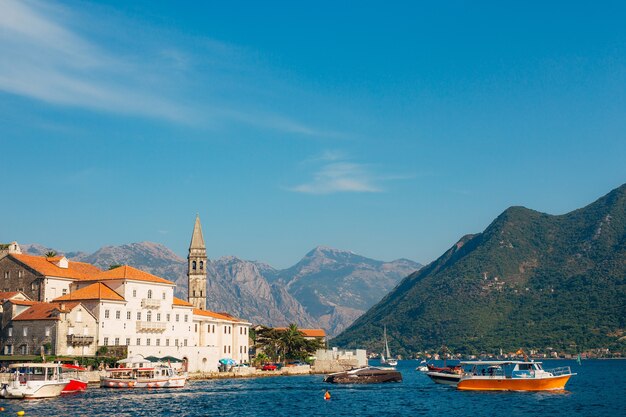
[328, 288]
[529, 280]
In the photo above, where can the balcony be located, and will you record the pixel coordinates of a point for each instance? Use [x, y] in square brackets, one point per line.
[150, 303]
[79, 340]
[151, 326]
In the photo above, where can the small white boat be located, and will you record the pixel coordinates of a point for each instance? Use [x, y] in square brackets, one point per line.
[387, 360]
[445, 377]
[34, 380]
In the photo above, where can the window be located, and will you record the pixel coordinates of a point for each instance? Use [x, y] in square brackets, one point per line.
[106, 341]
[225, 331]
[25, 331]
[245, 349]
[228, 329]
[139, 315]
[134, 293]
[178, 317]
[128, 341]
[185, 342]
[128, 315]
[20, 274]
[240, 349]
[64, 291]
[186, 318]
[175, 342]
[196, 327]
[6, 274]
[24, 350]
[47, 331]
[158, 316]
[106, 314]
[117, 341]
[149, 316]
[163, 296]
[167, 317]
[194, 293]
[193, 265]
[167, 342]
[149, 293]
[214, 328]
[201, 265]
[158, 342]
[245, 330]
[228, 349]
[79, 316]
[138, 341]
[148, 342]
[10, 332]
[224, 349]
[117, 314]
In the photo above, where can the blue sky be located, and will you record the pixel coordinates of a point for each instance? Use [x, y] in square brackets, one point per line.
[390, 129]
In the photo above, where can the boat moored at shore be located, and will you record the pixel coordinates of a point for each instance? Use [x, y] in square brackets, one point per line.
[34, 380]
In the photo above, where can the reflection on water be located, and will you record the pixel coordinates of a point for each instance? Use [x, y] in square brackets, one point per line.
[597, 390]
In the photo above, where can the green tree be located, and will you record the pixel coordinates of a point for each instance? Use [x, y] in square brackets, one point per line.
[50, 254]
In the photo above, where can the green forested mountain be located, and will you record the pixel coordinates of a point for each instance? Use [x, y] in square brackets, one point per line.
[529, 280]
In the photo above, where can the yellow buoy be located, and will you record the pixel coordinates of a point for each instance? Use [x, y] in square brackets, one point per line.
[20, 413]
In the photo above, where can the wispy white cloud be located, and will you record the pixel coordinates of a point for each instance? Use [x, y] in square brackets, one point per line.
[66, 57]
[336, 174]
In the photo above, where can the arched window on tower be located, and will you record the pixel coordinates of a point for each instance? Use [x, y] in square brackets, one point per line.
[201, 265]
[193, 265]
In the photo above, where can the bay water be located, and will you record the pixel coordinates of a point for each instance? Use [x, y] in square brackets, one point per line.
[599, 389]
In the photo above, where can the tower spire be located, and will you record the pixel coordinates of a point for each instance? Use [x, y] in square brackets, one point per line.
[197, 240]
[196, 268]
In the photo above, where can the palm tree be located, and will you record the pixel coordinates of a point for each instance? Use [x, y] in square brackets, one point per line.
[50, 254]
[293, 342]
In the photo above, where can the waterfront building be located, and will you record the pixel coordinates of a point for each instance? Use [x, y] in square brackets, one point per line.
[58, 328]
[134, 312]
[40, 278]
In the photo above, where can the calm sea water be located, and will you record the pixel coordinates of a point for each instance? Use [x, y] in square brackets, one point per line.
[599, 389]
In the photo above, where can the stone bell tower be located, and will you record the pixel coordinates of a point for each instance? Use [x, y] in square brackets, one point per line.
[196, 268]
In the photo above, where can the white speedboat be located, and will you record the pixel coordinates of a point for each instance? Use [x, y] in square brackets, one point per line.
[34, 380]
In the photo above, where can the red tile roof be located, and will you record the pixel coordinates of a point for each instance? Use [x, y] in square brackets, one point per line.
[179, 302]
[23, 302]
[43, 311]
[46, 266]
[96, 291]
[8, 295]
[221, 316]
[128, 272]
[307, 332]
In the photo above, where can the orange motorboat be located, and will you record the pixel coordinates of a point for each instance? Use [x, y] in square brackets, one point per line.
[513, 376]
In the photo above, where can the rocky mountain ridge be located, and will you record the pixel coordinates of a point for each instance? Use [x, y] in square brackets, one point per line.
[328, 288]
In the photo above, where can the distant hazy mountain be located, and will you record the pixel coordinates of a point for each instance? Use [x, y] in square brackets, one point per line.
[328, 288]
[335, 286]
[530, 280]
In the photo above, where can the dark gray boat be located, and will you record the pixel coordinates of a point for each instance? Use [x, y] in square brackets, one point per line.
[366, 375]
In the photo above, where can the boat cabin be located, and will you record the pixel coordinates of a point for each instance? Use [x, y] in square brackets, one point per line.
[506, 369]
[25, 372]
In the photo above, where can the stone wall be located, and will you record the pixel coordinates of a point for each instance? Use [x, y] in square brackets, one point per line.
[16, 277]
